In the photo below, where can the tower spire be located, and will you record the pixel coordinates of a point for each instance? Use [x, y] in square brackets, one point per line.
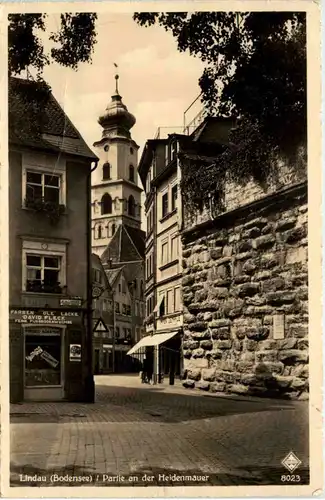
[116, 80]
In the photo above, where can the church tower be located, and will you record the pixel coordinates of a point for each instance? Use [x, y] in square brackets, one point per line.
[116, 196]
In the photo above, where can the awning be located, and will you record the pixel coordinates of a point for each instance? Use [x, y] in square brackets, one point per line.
[152, 340]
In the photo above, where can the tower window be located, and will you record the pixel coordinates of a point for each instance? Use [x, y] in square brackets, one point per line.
[106, 148]
[131, 151]
[106, 171]
[131, 206]
[99, 233]
[106, 204]
[131, 173]
[113, 229]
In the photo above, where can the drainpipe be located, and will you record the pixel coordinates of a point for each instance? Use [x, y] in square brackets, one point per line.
[89, 380]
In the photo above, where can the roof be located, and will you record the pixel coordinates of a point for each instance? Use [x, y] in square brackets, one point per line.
[53, 131]
[97, 263]
[127, 245]
[113, 274]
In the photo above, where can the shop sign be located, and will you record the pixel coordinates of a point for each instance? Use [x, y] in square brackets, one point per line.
[71, 302]
[75, 352]
[41, 317]
[44, 355]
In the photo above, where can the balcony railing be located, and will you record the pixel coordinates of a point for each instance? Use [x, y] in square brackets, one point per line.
[37, 286]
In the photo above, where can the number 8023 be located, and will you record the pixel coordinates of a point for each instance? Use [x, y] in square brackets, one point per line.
[290, 478]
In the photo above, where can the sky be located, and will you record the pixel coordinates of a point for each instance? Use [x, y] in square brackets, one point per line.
[157, 82]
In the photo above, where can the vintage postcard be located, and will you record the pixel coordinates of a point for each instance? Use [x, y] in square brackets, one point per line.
[161, 330]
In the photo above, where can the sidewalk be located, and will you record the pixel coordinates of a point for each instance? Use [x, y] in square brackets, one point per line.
[138, 429]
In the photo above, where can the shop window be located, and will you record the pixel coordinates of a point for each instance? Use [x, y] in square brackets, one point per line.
[131, 173]
[43, 273]
[41, 187]
[165, 205]
[131, 206]
[174, 196]
[106, 171]
[42, 358]
[106, 204]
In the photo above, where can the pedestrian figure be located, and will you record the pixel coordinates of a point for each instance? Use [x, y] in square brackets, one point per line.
[144, 371]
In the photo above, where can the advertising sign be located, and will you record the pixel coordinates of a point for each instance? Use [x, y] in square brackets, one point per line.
[44, 355]
[71, 302]
[41, 317]
[75, 352]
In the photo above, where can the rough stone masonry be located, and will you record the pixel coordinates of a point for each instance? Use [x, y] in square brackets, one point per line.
[245, 295]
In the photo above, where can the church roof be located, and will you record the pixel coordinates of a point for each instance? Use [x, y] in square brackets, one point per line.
[127, 245]
[54, 132]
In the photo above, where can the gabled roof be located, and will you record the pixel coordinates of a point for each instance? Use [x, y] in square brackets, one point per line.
[127, 245]
[113, 275]
[55, 132]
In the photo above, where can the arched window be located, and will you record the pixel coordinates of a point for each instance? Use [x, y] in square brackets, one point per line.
[113, 229]
[131, 206]
[106, 171]
[99, 233]
[131, 173]
[106, 204]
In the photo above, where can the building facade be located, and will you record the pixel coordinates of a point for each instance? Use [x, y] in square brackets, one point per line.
[160, 174]
[103, 319]
[116, 195]
[49, 261]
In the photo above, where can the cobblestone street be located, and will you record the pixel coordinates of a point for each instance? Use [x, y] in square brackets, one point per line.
[141, 430]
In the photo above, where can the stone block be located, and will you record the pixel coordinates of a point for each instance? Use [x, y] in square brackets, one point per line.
[249, 267]
[250, 345]
[206, 335]
[248, 379]
[303, 344]
[215, 354]
[238, 389]
[283, 382]
[262, 242]
[295, 235]
[258, 310]
[270, 367]
[199, 326]
[220, 333]
[242, 278]
[262, 275]
[218, 293]
[186, 253]
[223, 344]
[267, 356]
[268, 344]
[302, 293]
[194, 374]
[189, 318]
[227, 365]
[188, 300]
[257, 300]
[244, 256]
[190, 344]
[293, 356]
[204, 256]
[258, 222]
[244, 246]
[273, 284]
[269, 261]
[198, 353]
[289, 343]
[217, 387]
[296, 255]
[206, 344]
[187, 354]
[201, 295]
[260, 333]
[188, 280]
[239, 332]
[285, 224]
[247, 289]
[280, 297]
[188, 384]
[209, 374]
[268, 228]
[298, 330]
[218, 323]
[300, 279]
[298, 383]
[244, 367]
[203, 385]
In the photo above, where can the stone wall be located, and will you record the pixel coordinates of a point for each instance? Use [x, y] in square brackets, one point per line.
[245, 296]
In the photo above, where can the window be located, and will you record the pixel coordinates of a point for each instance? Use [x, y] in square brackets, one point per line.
[119, 287]
[174, 248]
[117, 307]
[106, 204]
[123, 308]
[170, 301]
[113, 229]
[41, 186]
[177, 299]
[106, 147]
[131, 206]
[173, 151]
[43, 273]
[131, 173]
[161, 308]
[164, 253]
[128, 310]
[165, 205]
[106, 171]
[174, 197]
[99, 232]
[131, 151]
